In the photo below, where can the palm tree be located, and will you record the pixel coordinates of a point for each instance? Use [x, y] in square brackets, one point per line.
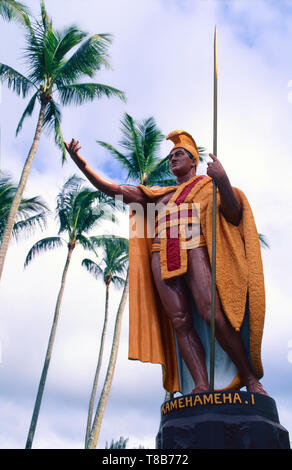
[51, 71]
[140, 152]
[78, 211]
[12, 10]
[95, 430]
[31, 214]
[141, 142]
[114, 265]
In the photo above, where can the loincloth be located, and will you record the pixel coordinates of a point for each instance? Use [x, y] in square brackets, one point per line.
[178, 229]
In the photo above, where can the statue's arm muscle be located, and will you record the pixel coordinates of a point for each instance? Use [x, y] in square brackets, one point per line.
[229, 203]
[128, 193]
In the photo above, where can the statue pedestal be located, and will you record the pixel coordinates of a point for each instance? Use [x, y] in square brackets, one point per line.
[221, 420]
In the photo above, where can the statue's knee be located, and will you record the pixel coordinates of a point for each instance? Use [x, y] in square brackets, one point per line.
[205, 312]
[181, 322]
[219, 320]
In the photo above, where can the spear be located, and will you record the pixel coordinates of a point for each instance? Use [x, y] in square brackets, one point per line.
[214, 214]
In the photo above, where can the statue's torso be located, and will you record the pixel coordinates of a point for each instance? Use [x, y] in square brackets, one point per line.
[164, 200]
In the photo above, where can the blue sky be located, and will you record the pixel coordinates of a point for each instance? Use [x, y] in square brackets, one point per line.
[161, 58]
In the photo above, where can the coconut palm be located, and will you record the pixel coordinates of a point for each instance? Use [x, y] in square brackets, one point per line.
[139, 153]
[95, 430]
[31, 214]
[56, 61]
[12, 10]
[115, 257]
[79, 210]
[140, 144]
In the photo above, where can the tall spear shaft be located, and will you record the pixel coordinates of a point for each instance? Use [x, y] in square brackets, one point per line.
[214, 220]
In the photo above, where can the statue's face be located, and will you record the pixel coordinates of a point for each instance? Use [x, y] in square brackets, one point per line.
[179, 162]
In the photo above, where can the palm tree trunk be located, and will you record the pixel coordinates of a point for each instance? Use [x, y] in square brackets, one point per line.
[21, 187]
[95, 382]
[92, 441]
[42, 383]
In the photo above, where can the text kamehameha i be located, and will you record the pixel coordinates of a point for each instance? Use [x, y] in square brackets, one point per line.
[220, 398]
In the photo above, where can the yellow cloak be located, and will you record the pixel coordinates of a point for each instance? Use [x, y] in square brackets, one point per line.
[239, 273]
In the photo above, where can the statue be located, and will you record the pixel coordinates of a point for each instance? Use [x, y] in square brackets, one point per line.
[170, 276]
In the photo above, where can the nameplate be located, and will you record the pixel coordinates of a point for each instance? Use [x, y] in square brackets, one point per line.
[207, 399]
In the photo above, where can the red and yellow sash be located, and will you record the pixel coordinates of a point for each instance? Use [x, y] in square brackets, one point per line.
[173, 246]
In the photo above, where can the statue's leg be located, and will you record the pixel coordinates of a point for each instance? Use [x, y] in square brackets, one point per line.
[173, 297]
[198, 279]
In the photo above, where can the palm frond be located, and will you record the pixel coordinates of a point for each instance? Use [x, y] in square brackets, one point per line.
[82, 92]
[50, 42]
[46, 21]
[88, 58]
[141, 142]
[118, 156]
[111, 203]
[41, 42]
[78, 208]
[151, 138]
[31, 206]
[86, 243]
[92, 268]
[49, 243]
[92, 218]
[163, 182]
[15, 80]
[105, 241]
[263, 241]
[159, 172]
[70, 37]
[121, 258]
[131, 141]
[118, 281]
[59, 138]
[64, 201]
[83, 217]
[114, 261]
[52, 122]
[7, 193]
[31, 212]
[29, 225]
[13, 10]
[35, 54]
[202, 153]
[27, 112]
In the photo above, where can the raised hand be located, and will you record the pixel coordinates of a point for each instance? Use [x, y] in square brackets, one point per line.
[73, 150]
[215, 170]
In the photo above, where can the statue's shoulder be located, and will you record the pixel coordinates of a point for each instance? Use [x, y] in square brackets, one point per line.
[156, 191]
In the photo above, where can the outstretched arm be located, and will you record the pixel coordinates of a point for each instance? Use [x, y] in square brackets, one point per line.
[129, 193]
[229, 203]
